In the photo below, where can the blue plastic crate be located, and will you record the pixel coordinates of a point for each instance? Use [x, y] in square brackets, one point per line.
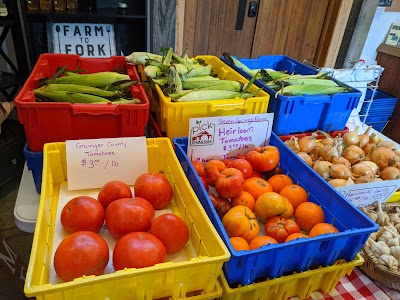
[295, 114]
[34, 162]
[380, 99]
[273, 261]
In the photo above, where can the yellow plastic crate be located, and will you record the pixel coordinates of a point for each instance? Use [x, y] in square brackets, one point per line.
[394, 198]
[300, 284]
[175, 115]
[196, 274]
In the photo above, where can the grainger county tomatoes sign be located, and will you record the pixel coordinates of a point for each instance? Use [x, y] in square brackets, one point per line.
[84, 39]
[227, 136]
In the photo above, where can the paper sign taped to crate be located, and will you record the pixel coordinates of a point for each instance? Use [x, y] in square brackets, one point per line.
[92, 163]
[367, 193]
[84, 39]
[225, 137]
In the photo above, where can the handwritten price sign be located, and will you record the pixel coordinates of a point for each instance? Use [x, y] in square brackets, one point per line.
[92, 163]
[227, 136]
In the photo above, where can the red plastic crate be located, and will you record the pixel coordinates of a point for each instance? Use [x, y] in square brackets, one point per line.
[46, 122]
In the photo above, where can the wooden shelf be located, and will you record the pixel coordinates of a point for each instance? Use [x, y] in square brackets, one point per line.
[388, 49]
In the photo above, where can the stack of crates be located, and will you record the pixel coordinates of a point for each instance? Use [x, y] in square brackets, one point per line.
[296, 268]
[377, 109]
[297, 114]
[46, 122]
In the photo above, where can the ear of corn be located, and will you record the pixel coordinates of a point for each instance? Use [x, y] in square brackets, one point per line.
[100, 79]
[212, 95]
[139, 58]
[199, 70]
[310, 81]
[63, 96]
[152, 71]
[200, 78]
[230, 85]
[76, 88]
[297, 90]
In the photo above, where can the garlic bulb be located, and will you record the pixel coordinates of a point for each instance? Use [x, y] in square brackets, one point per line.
[388, 261]
[380, 248]
[395, 252]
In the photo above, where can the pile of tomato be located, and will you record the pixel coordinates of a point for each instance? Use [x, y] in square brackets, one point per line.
[141, 239]
[250, 193]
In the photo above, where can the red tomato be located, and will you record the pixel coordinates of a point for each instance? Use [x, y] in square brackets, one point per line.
[82, 213]
[113, 190]
[129, 215]
[263, 159]
[155, 188]
[199, 167]
[204, 182]
[256, 174]
[212, 170]
[221, 205]
[138, 250]
[280, 228]
[230, 183]
[171, 230]
[242, 165]
[81, 253]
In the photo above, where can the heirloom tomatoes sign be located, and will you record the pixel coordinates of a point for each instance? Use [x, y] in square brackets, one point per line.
[84, 39]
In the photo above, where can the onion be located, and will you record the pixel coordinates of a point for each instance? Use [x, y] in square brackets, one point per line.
[307, 143]
[339, 171]
[322, 168]
[374, 138]
[341, 160]
[361, 169]
[370, 164]
[327, 141]
[390, 173]
[352, 137]
[353, 154]
[368, 148]
[307, 158]
[364, 179]
[377, 179]
[315, 153]
[364, 138]
[383, 157]
[332, 150]
[337, 182]
[293, 144]
[386, 144]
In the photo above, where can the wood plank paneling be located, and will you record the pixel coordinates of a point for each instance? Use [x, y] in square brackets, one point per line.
[189, 26]
[163, 25]
[203, 24]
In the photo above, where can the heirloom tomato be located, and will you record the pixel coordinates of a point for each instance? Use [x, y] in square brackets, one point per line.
[322, 228]
[171, 230]
[239, 243]
[244, 198]
[280, 228]
[138, 250]
[129, 215]
[272, 204]
[240, 221]
[243, 165]
[261, 241]
[155, 188]
[212, 170]
[257, 186]
[199, 167]
[81, 253]
[229, 183]
[113, 190]
[263, 159]
[221, 205]
[308, 214]
[82, 213]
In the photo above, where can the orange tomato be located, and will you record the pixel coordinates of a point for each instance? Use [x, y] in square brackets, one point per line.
[244, 198]
[295, 236]
[263, 159]
[261, 241]
[322, 228]
[280, 228]
[240, 221]
[239, 243]
[272, 204]
[295, 194]
[199, 167]
[278, 181]
[309, 214]
[257, 186]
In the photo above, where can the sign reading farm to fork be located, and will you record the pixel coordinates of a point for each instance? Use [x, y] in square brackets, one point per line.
[84, 39]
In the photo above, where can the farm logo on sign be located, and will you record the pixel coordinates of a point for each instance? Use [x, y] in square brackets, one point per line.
[202, 134]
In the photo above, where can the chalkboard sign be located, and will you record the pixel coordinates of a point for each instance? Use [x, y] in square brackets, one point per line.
[385, 2]
[84, 39]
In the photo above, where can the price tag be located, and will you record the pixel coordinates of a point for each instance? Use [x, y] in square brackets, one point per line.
[227, 136]
[92, 163]
[367, 193]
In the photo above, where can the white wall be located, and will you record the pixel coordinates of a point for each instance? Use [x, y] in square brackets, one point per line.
[378, 32]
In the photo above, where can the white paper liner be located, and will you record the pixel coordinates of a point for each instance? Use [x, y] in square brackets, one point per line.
[66, 195]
